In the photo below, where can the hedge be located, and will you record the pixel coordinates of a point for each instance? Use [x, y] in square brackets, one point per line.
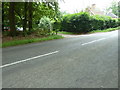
[82, 22]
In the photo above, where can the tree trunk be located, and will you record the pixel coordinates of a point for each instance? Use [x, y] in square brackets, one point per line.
[25, 17]
[2, 16]
[30, 16]
[12, 19]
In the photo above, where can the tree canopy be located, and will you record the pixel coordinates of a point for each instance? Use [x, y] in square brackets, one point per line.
[27, 15]
[114, 7]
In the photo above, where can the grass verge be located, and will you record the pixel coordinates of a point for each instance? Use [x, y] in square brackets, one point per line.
[64, 32]
[95, 31]
[26, 41]
[105, 30]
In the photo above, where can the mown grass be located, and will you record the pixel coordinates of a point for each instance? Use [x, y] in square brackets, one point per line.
[26, 41]
[105, 30]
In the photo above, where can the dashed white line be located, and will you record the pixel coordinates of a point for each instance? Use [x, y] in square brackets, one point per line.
[21, 61]
[93, 41]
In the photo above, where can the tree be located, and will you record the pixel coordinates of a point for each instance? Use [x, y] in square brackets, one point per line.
[30, 15]
[2, 15]
[12, 19]
[119, 9]
[25, 17]
[5, 13]
[113, 8]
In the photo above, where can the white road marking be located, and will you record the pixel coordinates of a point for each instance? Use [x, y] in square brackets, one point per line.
[93, 41]
[6, 65]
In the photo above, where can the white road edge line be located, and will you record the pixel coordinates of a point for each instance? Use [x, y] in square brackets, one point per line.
[93, 41]
[6, 65]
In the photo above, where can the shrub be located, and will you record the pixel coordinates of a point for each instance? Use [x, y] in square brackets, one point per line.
[56, 26]
[79, 22]
[100, 22]
[82, 22]
[119, 22]
[45, 25]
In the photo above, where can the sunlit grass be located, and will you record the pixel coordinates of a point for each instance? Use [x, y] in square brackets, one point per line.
[105, 30]
[64, 32]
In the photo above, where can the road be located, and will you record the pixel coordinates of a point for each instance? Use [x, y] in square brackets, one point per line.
[82, 61]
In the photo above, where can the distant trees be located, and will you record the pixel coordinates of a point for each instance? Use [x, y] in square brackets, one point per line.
[114, 8]
[119, 9]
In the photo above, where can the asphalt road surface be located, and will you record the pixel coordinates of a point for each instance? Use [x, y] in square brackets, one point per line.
[82, 61]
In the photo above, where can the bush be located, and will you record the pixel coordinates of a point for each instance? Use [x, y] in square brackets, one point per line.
[119, 22]
[79, 22]
[100, 22]
[82, 22]
[56, 26]
[45, 25]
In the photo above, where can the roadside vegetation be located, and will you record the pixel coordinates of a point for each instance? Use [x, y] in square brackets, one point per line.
[64, 32]
[27, 22]
[15, 42]
[95, 31]
[84, 23]
[106, 30]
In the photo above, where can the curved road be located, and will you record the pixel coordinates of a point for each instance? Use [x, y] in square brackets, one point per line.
[82, 61]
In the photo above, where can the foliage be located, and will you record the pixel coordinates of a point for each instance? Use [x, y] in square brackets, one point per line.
[79, 22]
[45, 25]
[119, 22]
[119, 9]
[56, 26]
[102, 22]
[28, 14]
[113, 8]
[82, 22]
[94, 31]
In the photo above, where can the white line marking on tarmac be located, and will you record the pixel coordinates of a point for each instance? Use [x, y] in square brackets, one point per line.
[93, 41]
[6, 65]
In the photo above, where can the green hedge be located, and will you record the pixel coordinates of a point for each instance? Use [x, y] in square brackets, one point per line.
[76, 22]
[82, 22]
